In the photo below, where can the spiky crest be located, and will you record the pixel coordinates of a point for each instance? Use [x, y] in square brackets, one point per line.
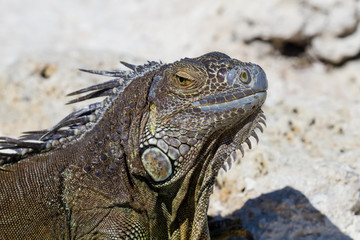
[78, 122]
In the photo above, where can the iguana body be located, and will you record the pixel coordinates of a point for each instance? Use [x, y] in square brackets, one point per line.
[139, 165]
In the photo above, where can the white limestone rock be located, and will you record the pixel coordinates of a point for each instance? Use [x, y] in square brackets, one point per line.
[328, 27]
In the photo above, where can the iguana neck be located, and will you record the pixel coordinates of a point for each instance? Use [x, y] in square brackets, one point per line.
[107, 156]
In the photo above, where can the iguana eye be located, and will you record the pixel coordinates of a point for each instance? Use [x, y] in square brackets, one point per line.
[183, 79]
[245, 76]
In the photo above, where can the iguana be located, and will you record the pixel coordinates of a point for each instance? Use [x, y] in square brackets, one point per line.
[140, 164]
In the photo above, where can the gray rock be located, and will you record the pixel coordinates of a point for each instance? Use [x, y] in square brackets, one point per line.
[329, 28]
[337, 50]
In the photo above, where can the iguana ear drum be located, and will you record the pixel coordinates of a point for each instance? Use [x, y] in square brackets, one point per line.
[156, 164]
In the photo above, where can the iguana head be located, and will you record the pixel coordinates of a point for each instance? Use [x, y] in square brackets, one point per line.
[201, 110]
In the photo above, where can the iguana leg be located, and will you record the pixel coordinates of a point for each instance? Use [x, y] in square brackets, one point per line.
[226, 228]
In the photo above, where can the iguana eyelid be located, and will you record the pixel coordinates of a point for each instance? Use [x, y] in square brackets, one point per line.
[184, 79]
[185, 75]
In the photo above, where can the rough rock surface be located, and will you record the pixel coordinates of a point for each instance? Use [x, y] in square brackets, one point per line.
[302, 181]
[328, 28]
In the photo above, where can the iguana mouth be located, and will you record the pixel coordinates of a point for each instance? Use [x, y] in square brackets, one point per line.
[230, 101]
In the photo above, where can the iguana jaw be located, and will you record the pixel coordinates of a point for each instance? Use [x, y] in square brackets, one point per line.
[245, 102]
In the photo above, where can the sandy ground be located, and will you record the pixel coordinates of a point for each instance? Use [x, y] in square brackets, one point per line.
[311, 143]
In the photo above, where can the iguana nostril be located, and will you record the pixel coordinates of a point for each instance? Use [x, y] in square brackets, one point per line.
[260, 83]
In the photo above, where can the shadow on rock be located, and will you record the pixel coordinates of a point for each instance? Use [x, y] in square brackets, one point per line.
[284, 214]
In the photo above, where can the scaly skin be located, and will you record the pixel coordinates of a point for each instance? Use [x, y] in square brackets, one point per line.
[140, 165]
